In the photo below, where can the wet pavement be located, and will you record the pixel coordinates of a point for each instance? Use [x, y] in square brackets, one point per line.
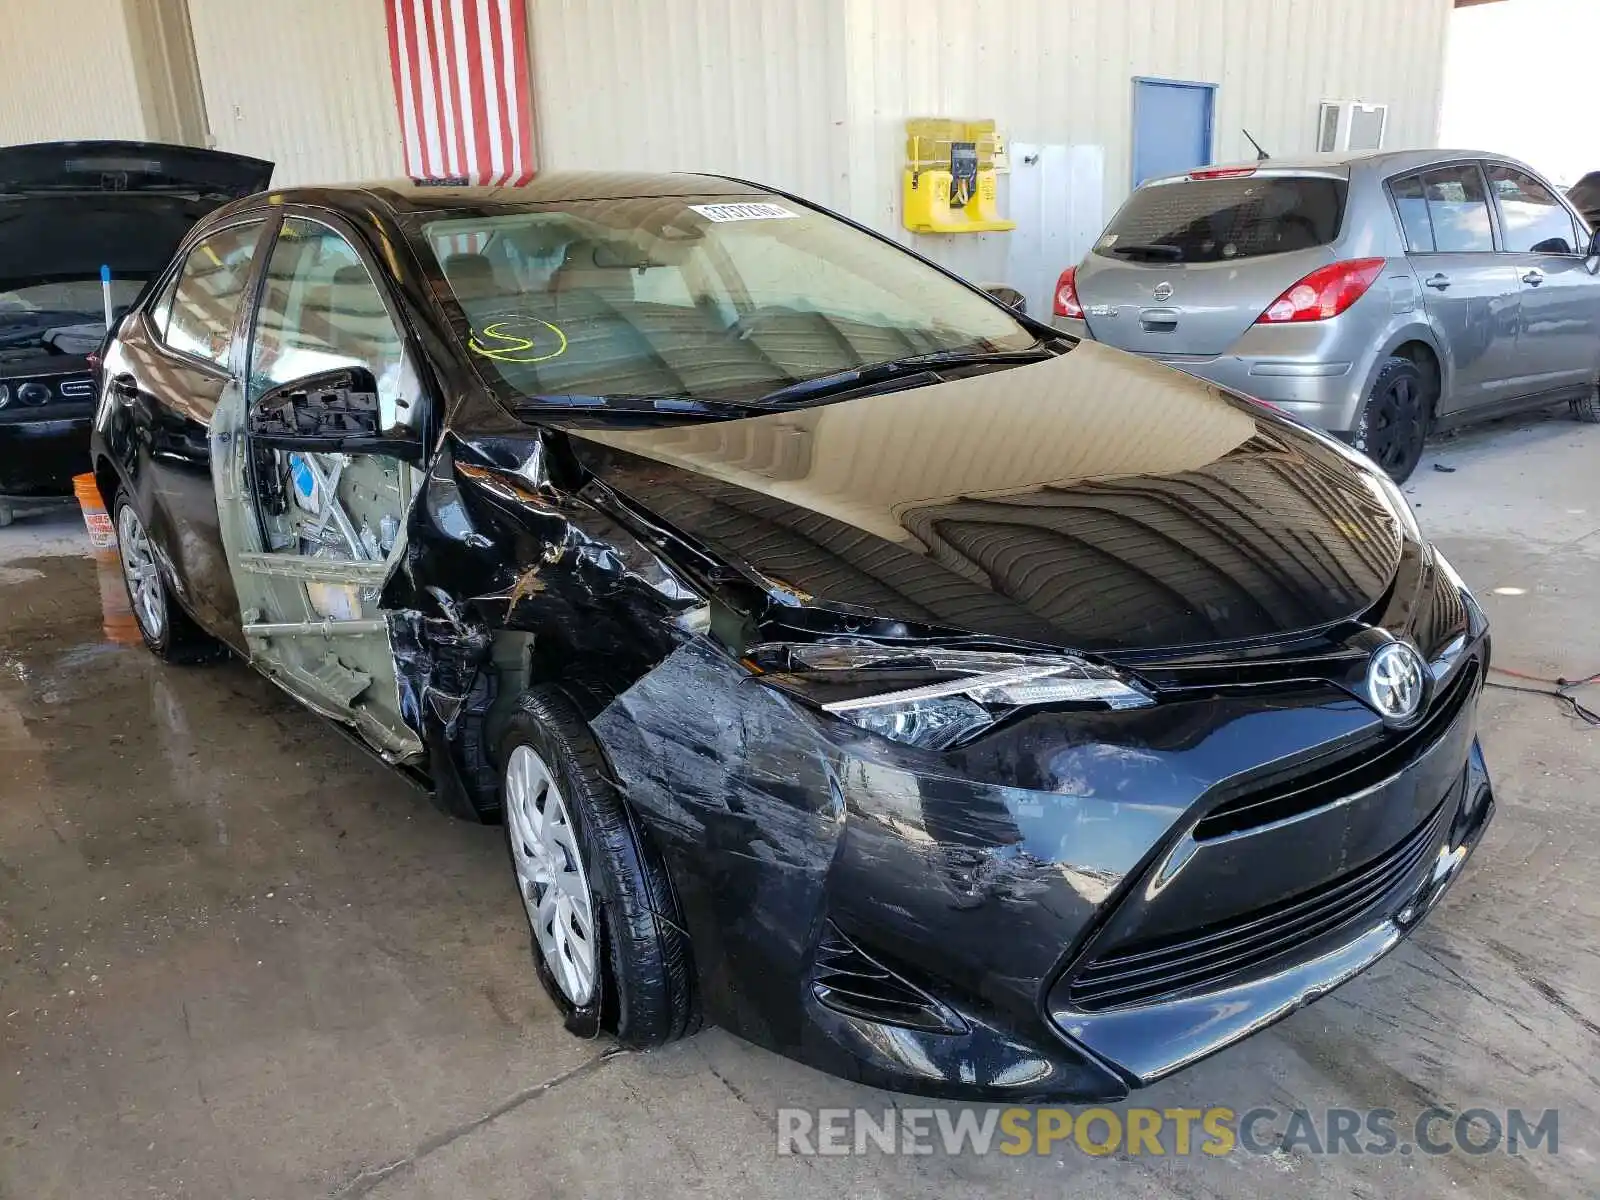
[240, 958]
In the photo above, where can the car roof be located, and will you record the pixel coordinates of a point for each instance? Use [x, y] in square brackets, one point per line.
[412, 195]
[1382, 162]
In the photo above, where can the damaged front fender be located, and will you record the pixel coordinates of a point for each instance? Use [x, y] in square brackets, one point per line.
[498, 553]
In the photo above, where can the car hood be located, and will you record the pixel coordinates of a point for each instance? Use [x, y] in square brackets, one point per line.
[1095, 500]
[69, 208]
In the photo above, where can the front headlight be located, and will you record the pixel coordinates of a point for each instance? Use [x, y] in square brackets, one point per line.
[1395, 500]
[969, 692]
[1477, 619]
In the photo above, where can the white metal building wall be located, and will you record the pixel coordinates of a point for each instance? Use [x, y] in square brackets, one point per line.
[812, 95]
[751, 87]
[809, 95]
[304, 83]
[69, 73]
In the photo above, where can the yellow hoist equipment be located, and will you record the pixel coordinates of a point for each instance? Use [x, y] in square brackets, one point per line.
[949, 182]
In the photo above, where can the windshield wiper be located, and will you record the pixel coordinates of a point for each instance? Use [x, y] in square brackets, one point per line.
[641, 406]
[1149, 250]
[895, 368]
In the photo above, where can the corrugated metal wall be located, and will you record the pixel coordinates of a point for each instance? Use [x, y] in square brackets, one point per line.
[811, 95]
[752, 87]
[68, 72]
[304, 83]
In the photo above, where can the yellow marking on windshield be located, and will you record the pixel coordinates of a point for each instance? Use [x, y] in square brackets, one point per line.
[502, 343]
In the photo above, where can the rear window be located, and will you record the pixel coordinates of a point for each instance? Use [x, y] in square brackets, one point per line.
[1216, 220]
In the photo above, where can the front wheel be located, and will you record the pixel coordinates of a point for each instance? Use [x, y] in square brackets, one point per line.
[169, 632]
[607, 944]
[1394, 419]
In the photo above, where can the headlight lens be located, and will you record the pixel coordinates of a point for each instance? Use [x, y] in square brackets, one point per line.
[974, 688]
[1477, 619]
[1395, 499]
[931, 724]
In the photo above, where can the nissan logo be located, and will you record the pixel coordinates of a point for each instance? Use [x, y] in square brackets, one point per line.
[1162, 293]
[1396, 682]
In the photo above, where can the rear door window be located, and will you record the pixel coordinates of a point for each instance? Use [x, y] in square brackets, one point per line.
[1532, 220]
[197, 319]
[1216, 220]
[1411, 202]
[1458, 210]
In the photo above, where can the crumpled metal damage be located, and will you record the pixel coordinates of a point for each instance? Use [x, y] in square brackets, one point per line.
[493, 546]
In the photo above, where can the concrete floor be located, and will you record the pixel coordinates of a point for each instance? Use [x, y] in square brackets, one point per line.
[238, 958]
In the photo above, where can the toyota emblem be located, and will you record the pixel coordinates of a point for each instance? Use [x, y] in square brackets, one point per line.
[1396, 682]
[1162, 293]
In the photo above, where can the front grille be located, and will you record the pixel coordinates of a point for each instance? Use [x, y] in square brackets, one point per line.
[1144, 972]
[850, 981]
[1347, 773]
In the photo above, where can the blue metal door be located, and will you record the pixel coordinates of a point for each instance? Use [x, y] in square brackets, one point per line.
[1171, 127]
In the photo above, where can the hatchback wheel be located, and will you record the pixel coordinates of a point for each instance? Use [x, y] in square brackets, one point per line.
[607, 943]
[1587, 410]
[1394, 420]
[169, 632]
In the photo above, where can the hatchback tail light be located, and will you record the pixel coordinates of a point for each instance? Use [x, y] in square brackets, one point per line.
[1066, 300]
[1325, 293]
[1222, 173]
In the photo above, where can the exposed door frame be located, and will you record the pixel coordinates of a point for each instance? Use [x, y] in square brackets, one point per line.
[1211, 118]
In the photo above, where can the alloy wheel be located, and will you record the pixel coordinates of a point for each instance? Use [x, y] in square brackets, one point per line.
[143, 576]
[550, 874]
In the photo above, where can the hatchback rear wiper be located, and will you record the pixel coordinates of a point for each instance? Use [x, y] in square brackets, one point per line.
[1149, 250]
[896, 368]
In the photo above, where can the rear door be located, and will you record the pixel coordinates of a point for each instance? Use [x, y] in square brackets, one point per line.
[1470, 289]
[311, 533]
[177, 359]
[1187, 265]
[1558, 330]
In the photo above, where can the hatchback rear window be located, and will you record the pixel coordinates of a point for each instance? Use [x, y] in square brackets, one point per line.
[1216, 220]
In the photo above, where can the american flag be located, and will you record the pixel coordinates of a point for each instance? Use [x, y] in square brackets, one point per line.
[464, 89]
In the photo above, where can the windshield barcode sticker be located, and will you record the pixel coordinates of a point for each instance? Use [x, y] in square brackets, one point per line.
[742, 212]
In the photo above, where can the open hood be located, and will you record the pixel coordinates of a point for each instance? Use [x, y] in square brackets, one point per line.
[1095, 501]
[142, 167]
[69, 208]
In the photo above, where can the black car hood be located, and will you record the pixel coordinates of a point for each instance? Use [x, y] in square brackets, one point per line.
[1096, 500]
[68, 208]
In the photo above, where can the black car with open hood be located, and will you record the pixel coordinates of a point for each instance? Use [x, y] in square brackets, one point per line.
[69, 212]
[853, 662]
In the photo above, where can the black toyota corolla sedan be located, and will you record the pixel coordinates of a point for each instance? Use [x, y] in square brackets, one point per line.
[70, 213]
[853, 663]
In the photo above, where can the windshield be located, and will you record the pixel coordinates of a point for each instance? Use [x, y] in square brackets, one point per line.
[78, 298]
[1212, 220]
[65, 317]
[691, 297]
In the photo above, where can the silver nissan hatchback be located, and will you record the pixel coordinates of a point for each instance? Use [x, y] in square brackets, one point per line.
[1377, 295]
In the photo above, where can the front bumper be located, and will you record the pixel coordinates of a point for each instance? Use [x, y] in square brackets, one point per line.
[41, 450]
[987, 882]
[1151, 1041]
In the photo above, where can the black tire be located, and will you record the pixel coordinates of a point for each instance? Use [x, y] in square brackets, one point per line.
[177, 639]
[1394, 418]
[1587, 410]
[644, 994]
